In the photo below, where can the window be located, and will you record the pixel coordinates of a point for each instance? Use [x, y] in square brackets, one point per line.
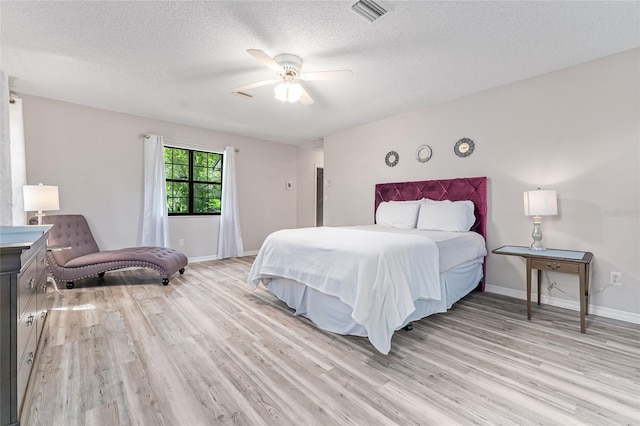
[194, 181]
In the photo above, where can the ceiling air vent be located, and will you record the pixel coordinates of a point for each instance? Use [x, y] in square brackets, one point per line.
[369, 10]
[243, 94]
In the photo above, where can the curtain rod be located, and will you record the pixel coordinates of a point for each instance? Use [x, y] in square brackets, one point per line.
[146, 136]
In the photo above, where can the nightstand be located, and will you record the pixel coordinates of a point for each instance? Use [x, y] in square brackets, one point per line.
[564, 261]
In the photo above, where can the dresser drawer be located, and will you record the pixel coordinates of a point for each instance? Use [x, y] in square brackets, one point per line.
[41, 264]
[27, 283]
[25, 365]
[41, 307]
[26, 325]
[40, 290]
[554, 265]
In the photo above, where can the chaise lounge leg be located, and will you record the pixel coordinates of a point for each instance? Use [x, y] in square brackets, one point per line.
[408, 327]
[165, 281]
[70, 285]
[100, 274]
[181, 271]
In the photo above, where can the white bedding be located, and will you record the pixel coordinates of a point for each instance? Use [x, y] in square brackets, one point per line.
[329, 313]
[390, 269]
[454, 248]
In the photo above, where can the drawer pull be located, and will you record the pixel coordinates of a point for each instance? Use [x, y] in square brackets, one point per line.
[552, 266]
[30, 358]
[43, 314]
[30, 319]
[42, 260]
[31, 282]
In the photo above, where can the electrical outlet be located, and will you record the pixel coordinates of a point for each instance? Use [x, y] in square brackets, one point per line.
[181, 242]
[615, 278]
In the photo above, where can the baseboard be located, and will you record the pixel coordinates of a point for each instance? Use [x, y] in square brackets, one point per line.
[567, 304]
[202, 258]
[214, 257]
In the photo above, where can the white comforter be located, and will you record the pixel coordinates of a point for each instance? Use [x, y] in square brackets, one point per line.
[378, 274]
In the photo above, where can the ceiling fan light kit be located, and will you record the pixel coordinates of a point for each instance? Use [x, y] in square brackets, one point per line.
[288, 91]
[288, 68]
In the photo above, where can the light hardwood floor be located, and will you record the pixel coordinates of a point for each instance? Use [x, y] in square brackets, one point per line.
[204, 350]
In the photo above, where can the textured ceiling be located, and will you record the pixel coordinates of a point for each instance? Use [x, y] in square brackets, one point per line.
[178, 61]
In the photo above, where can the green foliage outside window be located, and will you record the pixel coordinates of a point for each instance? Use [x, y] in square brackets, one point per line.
[194, 181]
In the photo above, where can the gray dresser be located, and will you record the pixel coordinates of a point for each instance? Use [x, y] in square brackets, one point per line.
[23, 311]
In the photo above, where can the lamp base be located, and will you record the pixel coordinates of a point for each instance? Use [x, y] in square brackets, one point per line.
[37, 219]
[537, 245]
[537, 234]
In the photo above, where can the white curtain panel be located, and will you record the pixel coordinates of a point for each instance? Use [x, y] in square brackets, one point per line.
[18, 161]
[155, 219]
[6, 188]
[229, 236]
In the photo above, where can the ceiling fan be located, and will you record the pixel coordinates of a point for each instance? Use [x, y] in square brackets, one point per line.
[288, 69]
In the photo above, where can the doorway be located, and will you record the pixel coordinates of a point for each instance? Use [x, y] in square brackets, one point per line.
[319, 195]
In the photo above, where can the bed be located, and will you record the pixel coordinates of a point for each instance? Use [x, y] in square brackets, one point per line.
[424, 253]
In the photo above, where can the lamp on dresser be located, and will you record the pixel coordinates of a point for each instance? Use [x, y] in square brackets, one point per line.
[539, 203]
[40, 198]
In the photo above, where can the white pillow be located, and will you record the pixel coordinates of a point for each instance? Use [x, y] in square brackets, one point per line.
[471, 217]
[398, 215]
[456, 216]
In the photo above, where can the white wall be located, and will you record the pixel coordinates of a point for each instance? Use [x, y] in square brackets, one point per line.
[576, 130]
[95, 157]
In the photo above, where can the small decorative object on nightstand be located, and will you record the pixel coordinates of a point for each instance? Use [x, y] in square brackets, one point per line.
[564, 261]
[537, 204]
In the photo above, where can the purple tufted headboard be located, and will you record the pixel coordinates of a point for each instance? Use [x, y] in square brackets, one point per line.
[474, 189]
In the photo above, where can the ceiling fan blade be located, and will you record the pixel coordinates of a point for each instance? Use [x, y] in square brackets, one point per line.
[252, 86]
[326, 75]
[265, 59]
[305, 98]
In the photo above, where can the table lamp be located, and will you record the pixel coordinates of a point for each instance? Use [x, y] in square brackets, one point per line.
[40, 198]
[537, 204]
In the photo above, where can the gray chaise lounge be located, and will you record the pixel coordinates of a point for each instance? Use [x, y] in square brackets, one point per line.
[83, 258]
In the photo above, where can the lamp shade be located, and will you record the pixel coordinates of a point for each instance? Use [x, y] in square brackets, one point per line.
[540, 203]
[40, 198]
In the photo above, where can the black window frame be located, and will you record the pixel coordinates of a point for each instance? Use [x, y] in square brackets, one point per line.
[191, 183]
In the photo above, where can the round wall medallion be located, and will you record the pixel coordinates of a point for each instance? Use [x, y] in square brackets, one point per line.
[392, 158]
[464, 147]
[423, 154]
